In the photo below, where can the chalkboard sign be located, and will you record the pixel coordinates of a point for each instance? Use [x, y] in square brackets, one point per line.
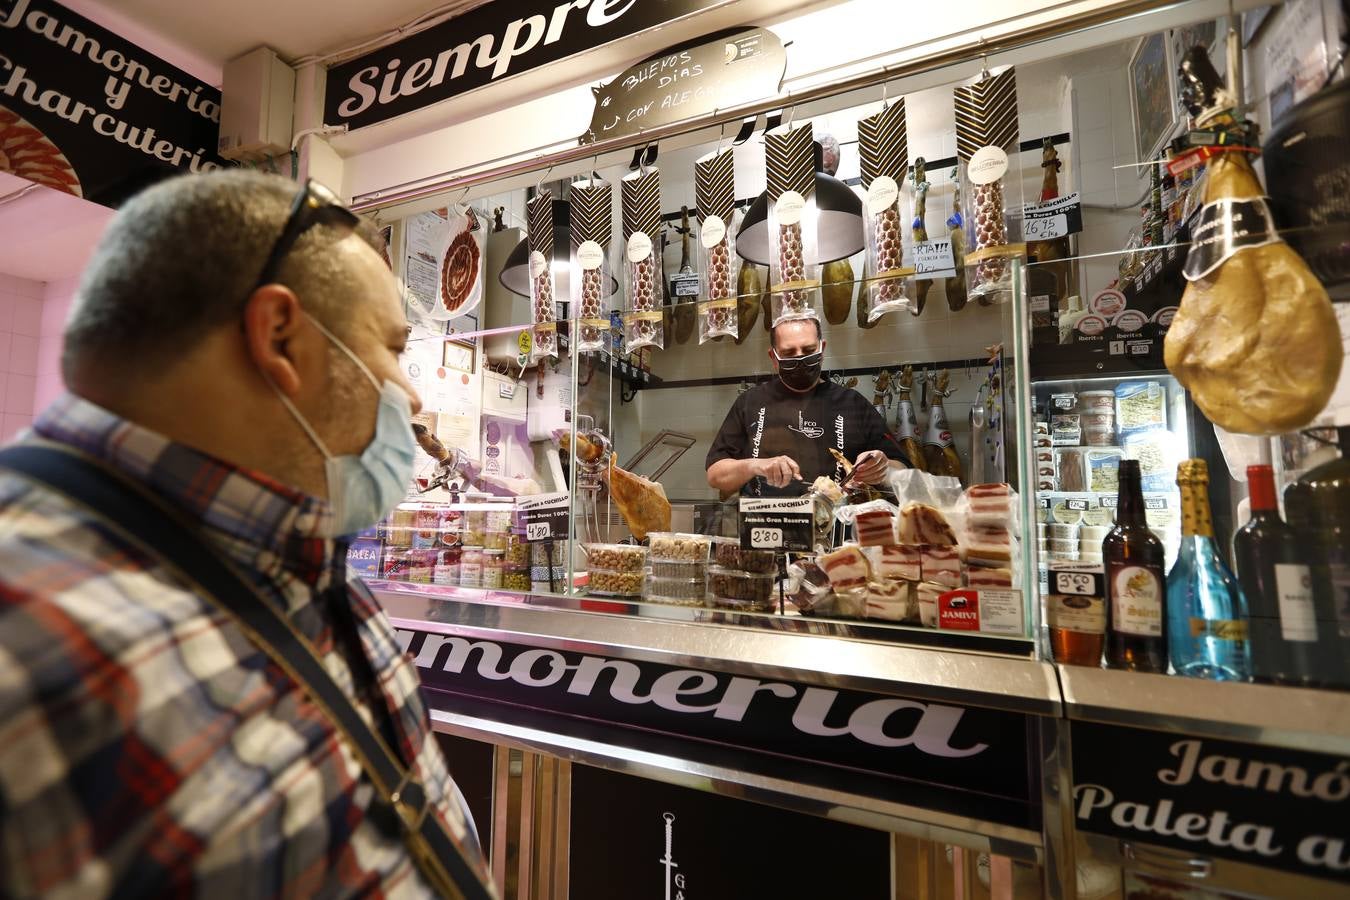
[730, 69]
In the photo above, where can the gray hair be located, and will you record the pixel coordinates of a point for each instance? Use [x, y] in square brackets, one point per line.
[180, 259]
[773, 332]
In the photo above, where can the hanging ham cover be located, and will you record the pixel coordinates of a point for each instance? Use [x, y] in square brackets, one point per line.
[642, 323]
[883, 157]
[790, 158]
[715, 195]
[592, 231]
[987, 153]
[543, 305]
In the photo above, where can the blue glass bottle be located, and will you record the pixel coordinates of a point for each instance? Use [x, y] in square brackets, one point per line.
[1207, 614]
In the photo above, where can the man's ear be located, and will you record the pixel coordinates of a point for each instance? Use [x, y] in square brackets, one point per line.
[273, 319]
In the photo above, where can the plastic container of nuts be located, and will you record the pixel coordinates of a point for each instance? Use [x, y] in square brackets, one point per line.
[675, 591]
[613, 583]
[673, 546]
[728, 553]
[616, 558]
[730, 589]
[664, 569]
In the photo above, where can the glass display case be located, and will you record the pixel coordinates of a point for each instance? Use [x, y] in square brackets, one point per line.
[625, 433]
[592, 332]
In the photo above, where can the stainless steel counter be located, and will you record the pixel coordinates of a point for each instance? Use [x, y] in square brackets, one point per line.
[1010, 682]
[1298, 718]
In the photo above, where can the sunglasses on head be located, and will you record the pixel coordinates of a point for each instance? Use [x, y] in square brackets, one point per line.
[793, 363]
[314, 205]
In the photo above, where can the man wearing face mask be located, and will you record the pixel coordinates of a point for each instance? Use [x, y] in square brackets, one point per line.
[777, 437]
[232, 361]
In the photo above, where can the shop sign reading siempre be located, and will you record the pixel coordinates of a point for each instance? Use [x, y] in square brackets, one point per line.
[97, 116]
[1265, 806]
[964, 749]
[485, 45]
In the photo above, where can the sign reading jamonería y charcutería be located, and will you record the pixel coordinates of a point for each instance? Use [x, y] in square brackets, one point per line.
[88, 113]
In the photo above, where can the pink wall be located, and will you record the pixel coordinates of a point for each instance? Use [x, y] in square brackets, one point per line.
[32, 316]
[20, 327]
[56, 301]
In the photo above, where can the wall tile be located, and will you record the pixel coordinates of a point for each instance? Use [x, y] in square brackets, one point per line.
[5, 339]
[49, 355]
[7, 311]
[11, 425]
[23, 355]
[19, 394]
[49, 387]
[27, 316]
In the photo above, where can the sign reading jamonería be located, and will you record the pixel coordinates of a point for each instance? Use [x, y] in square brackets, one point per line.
[965, 760]
[88, 113]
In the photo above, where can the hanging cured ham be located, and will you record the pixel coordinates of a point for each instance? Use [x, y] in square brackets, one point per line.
[1255, 339]
[642, 503]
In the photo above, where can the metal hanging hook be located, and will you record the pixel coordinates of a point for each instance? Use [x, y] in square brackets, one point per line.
[539, 185]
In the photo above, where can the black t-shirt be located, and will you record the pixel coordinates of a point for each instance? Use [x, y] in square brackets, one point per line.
[770, 420]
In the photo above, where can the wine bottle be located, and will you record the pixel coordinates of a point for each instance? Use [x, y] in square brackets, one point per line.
[1136, 626]
[1207, 627]
[1277, 582]
[1318, 507]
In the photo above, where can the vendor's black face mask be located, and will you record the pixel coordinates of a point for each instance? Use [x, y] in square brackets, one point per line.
[800, 373]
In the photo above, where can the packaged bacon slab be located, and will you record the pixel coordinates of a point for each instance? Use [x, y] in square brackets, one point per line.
[874, 523]
[642, 323]
[794, 276]
[543, 298]
[883, 155]
[592, 231]
[715, 194]
[989, 180]
[847, 567]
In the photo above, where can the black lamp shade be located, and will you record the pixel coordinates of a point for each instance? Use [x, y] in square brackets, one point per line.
[839, 225]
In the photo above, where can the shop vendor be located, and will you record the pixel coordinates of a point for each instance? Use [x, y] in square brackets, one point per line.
[777, 437]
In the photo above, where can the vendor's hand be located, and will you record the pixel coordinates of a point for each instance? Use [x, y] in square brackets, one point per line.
[779, 471]
[870, 467]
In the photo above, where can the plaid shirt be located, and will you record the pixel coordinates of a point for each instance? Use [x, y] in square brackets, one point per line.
[147, 747]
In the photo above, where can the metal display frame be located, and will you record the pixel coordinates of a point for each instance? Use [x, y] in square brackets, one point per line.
[975, 671]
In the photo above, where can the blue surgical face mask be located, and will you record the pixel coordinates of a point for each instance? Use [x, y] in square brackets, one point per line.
[364, 489]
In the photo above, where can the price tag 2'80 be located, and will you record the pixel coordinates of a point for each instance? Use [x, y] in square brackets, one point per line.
[777, 523]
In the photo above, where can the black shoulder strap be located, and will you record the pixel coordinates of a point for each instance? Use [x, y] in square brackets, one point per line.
[159, 531]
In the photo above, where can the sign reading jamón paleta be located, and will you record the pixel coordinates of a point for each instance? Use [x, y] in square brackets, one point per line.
[85, 112]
